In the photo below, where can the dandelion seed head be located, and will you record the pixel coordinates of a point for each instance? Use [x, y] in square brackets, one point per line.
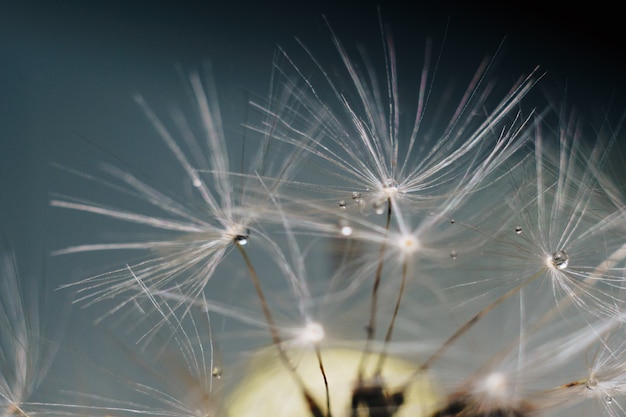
[355, 130]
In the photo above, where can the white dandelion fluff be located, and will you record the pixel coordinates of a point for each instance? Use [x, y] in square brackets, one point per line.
[26, 353]
[497, 265]
[358, 131]
[189, 235]
[562, 229]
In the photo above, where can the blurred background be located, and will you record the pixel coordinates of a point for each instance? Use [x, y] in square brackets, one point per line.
[68, 71]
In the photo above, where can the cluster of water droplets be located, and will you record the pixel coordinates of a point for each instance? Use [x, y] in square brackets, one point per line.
[592, 384]
[388, 190]
[356, 199]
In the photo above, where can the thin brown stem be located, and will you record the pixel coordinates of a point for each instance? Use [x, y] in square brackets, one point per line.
[14, 409]
[371, 327]
[550, 398]
[314, 408]
[264, 306]
[471, 322]
[610, 262]
[318, 353]
[388, 336]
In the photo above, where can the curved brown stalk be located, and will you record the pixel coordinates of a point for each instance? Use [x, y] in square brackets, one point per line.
[276, 340]
[371, 327]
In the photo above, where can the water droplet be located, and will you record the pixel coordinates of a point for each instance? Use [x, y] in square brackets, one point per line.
[379, 206]
[342, 204]
[591, 383]
[197, 183]
[518, 230]
[608, 399]
[356, 195]
[453, 254]
[344, 228]
[452, 221]
[242, 240]
[391, 184]
[217, 372]
[560, 259]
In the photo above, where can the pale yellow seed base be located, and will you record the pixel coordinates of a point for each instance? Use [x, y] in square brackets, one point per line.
[268, 389]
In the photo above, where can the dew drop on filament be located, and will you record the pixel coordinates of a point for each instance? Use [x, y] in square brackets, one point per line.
[591, 383]
[379, 207]
[344, 228]
[518, 230]
[342, 204]
[216, 372]
[453, 254]
[560, 259]
[608, 399]
[391, 184]
[356, 195]
[241, 240]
